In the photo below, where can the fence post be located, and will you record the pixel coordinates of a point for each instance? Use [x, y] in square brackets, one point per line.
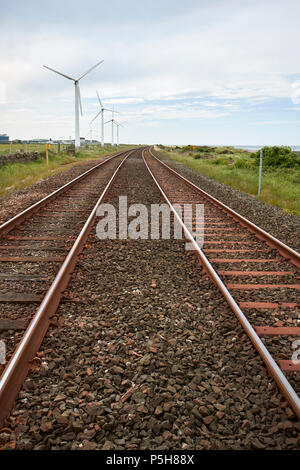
[47, 146]
[260, 171]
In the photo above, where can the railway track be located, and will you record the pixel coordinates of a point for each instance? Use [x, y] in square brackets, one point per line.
[38, 252]
[143, 352]
[255, 272]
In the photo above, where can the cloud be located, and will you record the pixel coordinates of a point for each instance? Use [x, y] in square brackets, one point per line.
[177, 112]
[275, 123]
[122, 100]
[224, 59]
[214, 57]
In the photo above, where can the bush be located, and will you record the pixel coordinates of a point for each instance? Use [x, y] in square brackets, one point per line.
[205, 148]
[278, 157]
[197, 156]
[220, 161]
[187, 148]
[243, 163]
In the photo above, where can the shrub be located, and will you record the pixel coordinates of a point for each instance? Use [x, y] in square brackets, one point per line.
[197, 156]
[278, 157]
[205, 148]
[187, 148]
[220, 161]
[242, 163]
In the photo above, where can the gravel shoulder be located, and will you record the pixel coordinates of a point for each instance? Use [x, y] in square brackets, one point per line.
[274, 220]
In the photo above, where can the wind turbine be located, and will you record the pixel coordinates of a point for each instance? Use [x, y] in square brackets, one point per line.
[113, 121]
[91, 133]
[102, 109]
[77, 98]
[118, 124]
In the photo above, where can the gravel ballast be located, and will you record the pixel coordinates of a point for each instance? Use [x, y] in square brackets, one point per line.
[22, 198]
[274, 220]
[148, 356]
[39, 260]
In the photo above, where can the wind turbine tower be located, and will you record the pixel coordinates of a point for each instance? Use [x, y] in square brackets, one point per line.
[118, 124]
[77, 98]
[102, 109]
[112, 125]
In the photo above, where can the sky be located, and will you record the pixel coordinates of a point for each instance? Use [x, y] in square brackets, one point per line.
[218, 72]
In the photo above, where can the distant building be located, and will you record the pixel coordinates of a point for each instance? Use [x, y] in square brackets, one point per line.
[4, 138]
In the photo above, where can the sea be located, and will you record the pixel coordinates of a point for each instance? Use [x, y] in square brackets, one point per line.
[254, 148]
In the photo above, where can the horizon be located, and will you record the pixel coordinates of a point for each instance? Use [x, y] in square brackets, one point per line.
[243, 146]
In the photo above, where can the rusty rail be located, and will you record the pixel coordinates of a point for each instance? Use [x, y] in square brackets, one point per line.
[10, 224]
[17, 368]
[273, 368]
[271, 241]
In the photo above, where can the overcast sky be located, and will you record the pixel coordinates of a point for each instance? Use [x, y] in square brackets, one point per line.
[193, 71]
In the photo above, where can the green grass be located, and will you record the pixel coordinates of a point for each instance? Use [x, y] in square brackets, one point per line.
[15, 148]
[21, 175]
[280, 187]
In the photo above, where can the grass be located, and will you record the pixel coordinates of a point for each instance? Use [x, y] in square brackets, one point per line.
[15, 148]
[21, 175]
[280, 187]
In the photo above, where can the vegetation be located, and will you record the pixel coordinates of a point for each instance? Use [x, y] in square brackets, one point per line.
[239, 168]
[20, 175]
[17, 146]
[276, 157]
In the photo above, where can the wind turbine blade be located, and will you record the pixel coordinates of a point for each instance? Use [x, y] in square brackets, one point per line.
[59, 73]
[89, 70]
[79, 99]
[96, 116]
[99, 99]
[105, 109]
[108, 121]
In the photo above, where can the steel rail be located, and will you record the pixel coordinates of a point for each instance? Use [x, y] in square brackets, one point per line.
[19, 364]
[273, 368]
[271, 241]
[10, 224]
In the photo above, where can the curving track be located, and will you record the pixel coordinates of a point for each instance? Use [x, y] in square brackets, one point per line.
[254, 273]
